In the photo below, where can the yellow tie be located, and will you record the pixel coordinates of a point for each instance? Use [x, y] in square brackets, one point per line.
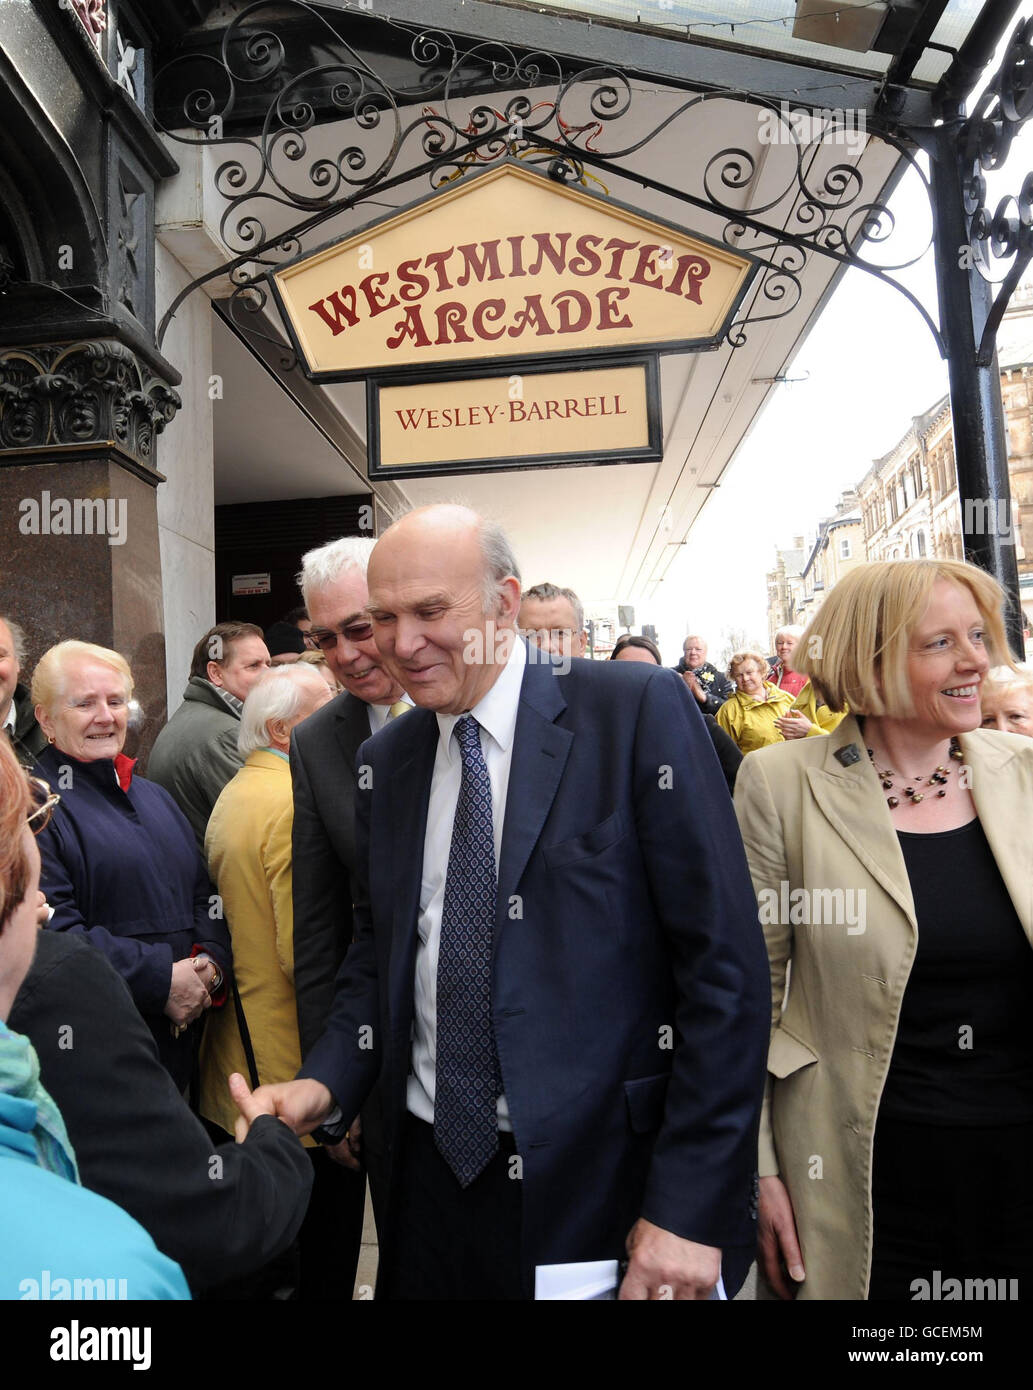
[399, 707]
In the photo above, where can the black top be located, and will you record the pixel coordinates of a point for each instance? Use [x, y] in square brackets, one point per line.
[717, 687]
[964, 1049]
[726, 748]
[134, 1136]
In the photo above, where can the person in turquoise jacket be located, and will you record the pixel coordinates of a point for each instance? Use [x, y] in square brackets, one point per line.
[57, 1240]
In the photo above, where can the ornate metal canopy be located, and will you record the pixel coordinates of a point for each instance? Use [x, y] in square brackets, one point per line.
[424, 129]
[1001, 243]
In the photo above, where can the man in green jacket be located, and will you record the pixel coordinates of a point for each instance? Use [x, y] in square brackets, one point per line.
[16, 714]
[195, 755]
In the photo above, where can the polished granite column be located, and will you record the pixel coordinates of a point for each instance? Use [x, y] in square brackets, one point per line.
[79, 550]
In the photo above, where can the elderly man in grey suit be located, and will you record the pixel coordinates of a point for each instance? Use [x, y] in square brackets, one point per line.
[323, 756]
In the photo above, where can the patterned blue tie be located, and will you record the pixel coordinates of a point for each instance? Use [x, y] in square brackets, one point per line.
[467, 1078]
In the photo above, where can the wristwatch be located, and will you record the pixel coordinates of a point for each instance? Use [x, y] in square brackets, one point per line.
[334, 1129]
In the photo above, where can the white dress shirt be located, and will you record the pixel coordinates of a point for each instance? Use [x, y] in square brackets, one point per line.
[497, 715]
[9, 720]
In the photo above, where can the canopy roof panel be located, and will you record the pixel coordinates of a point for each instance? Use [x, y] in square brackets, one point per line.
[766, 26]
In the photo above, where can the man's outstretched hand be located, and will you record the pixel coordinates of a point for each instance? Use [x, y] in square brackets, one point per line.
[663, 1265]
[303, 1105]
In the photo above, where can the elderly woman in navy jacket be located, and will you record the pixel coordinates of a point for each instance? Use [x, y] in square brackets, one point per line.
[120, 864]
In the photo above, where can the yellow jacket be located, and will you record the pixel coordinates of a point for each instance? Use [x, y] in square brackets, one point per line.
[248, 845]
[811, 822]
[750, 722]
[823, 718]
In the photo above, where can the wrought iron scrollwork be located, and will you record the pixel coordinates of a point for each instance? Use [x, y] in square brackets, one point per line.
[1000, 242]
[332, 132]
[246, 304]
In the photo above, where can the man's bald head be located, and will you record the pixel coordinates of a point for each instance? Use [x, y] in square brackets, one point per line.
[450, 523]
[437, 579]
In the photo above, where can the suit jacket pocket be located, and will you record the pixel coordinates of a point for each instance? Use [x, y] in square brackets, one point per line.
[586, 845]
[787, 1054]
[646, 1096]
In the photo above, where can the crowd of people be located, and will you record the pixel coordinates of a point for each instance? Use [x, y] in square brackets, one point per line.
[571, 961]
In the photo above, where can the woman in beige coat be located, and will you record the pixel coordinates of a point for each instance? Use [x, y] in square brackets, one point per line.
[248, 843]
[893, 863]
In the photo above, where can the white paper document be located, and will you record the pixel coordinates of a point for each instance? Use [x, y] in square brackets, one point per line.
[588, 1280]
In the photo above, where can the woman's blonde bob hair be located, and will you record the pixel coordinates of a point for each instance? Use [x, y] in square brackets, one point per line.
[740, 658]
[855, 648]
[50, 678]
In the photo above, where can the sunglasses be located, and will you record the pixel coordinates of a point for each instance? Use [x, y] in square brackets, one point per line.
[326, 640]
[39, 819]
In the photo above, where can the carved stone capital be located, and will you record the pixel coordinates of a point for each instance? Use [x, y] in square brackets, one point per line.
[81, 394]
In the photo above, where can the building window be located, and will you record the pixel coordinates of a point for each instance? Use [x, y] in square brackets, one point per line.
[844, 550]
[920, 544]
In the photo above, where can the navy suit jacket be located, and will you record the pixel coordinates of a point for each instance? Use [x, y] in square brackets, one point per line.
[630, 987]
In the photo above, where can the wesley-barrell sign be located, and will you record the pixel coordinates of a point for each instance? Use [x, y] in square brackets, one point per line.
[506, 264]
[470, 423]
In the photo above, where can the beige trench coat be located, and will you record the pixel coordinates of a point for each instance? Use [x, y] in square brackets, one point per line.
[809, 821]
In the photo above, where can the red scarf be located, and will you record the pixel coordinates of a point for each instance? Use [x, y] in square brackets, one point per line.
[124, 770]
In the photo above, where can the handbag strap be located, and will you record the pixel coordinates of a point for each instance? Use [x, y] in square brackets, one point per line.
[245, 1038]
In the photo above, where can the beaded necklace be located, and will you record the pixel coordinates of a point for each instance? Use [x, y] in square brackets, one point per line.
[936, 779]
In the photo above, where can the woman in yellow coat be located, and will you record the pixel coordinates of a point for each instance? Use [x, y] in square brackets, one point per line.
[751, 715]
[248, 845]
[892, 863]
[809, 715]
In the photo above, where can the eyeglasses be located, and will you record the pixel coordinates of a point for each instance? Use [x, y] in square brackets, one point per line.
[39, 819]
[326, 640]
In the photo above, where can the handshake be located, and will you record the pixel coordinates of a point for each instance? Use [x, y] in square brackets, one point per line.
[302, 1105]
[661, 1264]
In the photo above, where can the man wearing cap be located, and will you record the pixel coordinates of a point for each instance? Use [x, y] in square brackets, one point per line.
[285, 642]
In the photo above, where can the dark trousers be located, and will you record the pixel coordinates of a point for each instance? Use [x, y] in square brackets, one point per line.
[953, 1201]
[331, 1234]
[451, 1242]
[321, 1262]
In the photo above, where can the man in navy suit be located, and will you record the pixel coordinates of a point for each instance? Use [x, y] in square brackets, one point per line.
[558, 973]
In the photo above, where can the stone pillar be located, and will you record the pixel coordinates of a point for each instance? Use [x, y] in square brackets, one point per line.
[79, 552]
